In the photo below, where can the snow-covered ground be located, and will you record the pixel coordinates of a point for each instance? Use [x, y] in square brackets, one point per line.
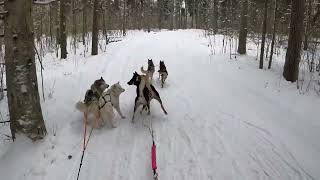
[226, 118]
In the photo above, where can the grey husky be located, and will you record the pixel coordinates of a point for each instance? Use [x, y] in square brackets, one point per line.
[90, 104]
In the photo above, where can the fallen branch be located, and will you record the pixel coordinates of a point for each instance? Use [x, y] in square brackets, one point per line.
[43, 2]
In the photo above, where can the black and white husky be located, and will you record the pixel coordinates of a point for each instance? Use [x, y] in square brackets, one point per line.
[163, 73]
[151, 69]
[145, 93]
[90, 104]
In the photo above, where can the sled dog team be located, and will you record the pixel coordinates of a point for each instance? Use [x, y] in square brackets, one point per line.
[100, 100]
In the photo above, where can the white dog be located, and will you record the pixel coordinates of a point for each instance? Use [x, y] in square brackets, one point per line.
[108, 101]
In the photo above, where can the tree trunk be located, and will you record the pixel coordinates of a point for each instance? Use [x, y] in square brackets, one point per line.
[273, 33]
[95, 28]
[124, 19]
[104, 26]
[63, 33]
[50, 24]
[148, 15]
[193, 14]
[172, 15]
[196, 10]
[160, 14]
[291, 66]
[74, 26]
[215, 16]
[264, 31]
[84, 21]
[21, 77]
[307, 29]
[56, 26]
[185, 25]
[243, 28]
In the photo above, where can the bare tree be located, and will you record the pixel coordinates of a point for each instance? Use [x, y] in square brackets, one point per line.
[291, 66]
[95, 28]
[273, 33]
[215, 15]
[160, 8]
[21, 77]
[243, 28]
[84, 21]
[124, 20]
[63, 32]
[264, 31]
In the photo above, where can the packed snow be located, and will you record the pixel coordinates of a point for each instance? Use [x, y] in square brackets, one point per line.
[226, 118]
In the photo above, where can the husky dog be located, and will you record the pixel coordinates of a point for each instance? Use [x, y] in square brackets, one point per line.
[163, 73]
[110, 100]
[145, 93]
[90, 104]
[150, 71]
[99, 86]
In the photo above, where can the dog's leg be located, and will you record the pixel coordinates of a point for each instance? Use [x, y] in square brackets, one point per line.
[162, 107]
[96, 122]
[134, 111]
[143, 108]
[85, 117]
[136, 104]
[165, 112]
[148, 106]
[162, 81]
[117, 107]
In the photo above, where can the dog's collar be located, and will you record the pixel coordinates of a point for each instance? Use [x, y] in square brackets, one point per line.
[105, 101]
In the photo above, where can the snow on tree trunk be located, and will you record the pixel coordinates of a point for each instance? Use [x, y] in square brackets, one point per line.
[291, 66]
[21, 78]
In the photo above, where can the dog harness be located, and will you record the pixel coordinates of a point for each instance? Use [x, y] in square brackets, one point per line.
[107, 99]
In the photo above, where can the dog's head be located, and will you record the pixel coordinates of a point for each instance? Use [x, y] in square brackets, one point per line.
[100, 84]
[150, 62]
[135, 80]
[117, 89]
[162, 64]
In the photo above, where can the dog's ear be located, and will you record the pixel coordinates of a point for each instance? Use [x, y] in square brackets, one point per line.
[118, 82]
[101, 78]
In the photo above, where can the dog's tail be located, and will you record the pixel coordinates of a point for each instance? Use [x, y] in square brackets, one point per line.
[82, 107]
[143, 71]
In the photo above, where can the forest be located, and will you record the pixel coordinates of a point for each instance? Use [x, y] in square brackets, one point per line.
[235, 84]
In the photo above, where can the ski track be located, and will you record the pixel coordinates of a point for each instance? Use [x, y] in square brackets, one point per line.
[197, 140]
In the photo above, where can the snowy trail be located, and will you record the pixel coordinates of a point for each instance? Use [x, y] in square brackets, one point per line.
[227, 120]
